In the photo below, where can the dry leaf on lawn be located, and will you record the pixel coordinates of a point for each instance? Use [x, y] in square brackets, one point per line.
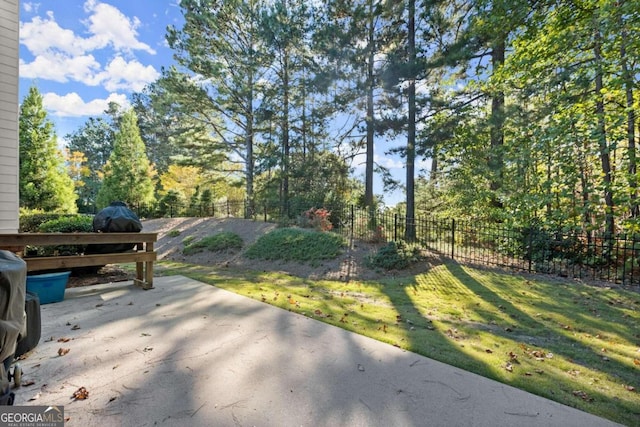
[80, 394]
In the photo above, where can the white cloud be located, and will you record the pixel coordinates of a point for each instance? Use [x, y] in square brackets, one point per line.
[132, 75]
[72, 105]
[389, 162]
[43, 36]
[30, 7]
[61, 55]
[62, 68]
[109, 26]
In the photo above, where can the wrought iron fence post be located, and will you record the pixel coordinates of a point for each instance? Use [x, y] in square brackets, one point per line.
[453, 238]
[530, 251]
[395, 227]
[353, 215]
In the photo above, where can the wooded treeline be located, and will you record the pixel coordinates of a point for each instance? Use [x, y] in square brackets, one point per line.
[526, 110]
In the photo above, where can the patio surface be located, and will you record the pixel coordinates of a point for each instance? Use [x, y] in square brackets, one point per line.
[189, 354]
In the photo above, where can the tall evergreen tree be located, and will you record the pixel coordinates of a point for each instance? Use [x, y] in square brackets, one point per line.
[220, 44]
[94, 139]
[44, 181]
[128, 174]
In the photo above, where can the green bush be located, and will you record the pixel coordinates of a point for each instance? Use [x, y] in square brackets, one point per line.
[290, 244]
[56, 223]
[394, 256]
[30, 222]
[68, 224]
[223, 241]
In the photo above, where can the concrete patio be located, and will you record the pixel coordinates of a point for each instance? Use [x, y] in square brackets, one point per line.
[189, 354]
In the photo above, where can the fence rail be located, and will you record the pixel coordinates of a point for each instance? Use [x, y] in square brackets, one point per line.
[591, 256]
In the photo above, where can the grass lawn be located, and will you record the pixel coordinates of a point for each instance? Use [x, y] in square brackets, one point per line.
[576, 344]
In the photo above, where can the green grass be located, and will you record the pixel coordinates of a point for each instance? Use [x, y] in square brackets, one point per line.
[293, 244]
[576, 344]
[174, 233]
[223, 241]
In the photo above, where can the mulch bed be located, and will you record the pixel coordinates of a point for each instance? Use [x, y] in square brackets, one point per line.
[91, 276]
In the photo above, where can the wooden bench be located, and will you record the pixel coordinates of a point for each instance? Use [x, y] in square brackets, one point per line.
[142, 254]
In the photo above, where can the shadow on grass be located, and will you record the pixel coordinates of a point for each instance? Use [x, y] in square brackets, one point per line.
[520, 333]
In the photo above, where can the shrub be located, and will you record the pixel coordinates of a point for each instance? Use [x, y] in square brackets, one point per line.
[291, 244]
[30, 222]
[394, 256]
[59, 223]
[174, 233]
[68, 224]
[223, 241]
[317, 219]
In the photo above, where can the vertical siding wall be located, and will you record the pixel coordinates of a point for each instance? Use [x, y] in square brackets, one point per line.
[9, 25]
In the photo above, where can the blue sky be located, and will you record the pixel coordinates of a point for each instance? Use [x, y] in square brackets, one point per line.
[82, 54]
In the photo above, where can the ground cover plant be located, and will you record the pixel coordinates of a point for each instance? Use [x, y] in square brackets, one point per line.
[294, 244]
[573, 343]
[222, 241]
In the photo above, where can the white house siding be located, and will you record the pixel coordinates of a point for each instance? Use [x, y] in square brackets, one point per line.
[9, 115]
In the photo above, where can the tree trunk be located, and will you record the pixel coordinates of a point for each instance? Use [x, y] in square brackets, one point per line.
[496, 157]
[285, 134]
[368, 191]
[628, 83]
[602, 135]
[249, 161]
[410, 229]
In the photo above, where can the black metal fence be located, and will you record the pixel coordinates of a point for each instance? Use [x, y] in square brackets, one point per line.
[533, 249]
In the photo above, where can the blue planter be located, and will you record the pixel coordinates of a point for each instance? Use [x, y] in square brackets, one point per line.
[49, 287]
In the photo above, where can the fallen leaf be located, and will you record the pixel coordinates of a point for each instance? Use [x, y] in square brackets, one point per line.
[75, 327]
[144, 334]
[509, 367]
[636, 362]
[582, 395]
[27, 383]
[291, 301]
[63, 351]
[80, 394]
[64, 339]
[512, 355]
[489, 351]
[629, 388]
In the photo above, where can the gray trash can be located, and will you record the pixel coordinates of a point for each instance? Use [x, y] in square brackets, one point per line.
[13, 283]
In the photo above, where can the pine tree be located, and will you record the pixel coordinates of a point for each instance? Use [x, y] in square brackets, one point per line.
[128, 174]
[44, 181]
